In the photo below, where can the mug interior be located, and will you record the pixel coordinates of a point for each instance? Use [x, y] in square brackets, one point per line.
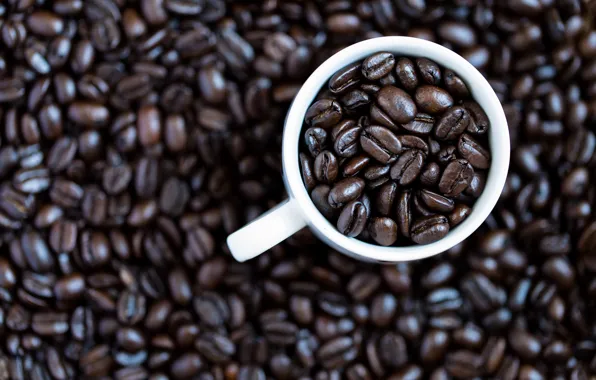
[482, 93]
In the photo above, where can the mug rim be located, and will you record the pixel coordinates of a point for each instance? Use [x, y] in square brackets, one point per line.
[481, 92]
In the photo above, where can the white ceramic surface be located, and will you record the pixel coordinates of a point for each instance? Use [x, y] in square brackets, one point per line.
[299, 211]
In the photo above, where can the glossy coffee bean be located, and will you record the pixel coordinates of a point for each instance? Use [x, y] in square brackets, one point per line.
[433, 99]
[456, 177]
[396, 104]
[383, 230]
[407, 167]
[352, 219]
[378, 65]
[429, 229]
[324, 114]
[380, 143]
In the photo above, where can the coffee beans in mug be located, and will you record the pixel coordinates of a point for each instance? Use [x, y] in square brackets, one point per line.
[424, 136]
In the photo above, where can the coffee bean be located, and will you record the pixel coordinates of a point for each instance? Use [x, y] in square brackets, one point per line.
[455, 85]
[429, 71]
[316, 140]
[429, 229]
[383, 230]
[396, 104]
[456, 177]
[436, 202]
[352, 219]
[406, 73]
[408, 167]
[422, 124]
[378, 65]
[345, 191]
[433, 99]
[459, 214]
[326, 167]
[320, 196]
[324, 114]
[472, 151]
[346, 78]
[346, 138]
[479, 122]
[452, 124]
[380, 143]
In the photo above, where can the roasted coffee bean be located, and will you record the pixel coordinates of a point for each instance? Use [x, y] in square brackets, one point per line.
[456, 177]
[378, 65]
[383, 230]
[455, 85]
[471, 150]
[326, 167]
[396, 104]
[422, 124]
[320, 197]
[433, 99]
[324, 113]
[380, 143]
[404, 212]
[430, 72]
[452, 124]
[459, 214]
[430, 174]
[479, 122]
[352, 219]
[408, 167]
[429, 229]
[316, 140]
[345, 191]
[346, 138]
[346, 78]
[436, 202]
[406, 73]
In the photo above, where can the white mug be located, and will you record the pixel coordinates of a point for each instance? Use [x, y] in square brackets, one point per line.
[298, 211]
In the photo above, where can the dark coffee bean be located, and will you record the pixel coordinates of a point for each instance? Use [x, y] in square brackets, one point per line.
[346, 78]
[429, 71]
[408, 167]
[459, 214]
[455, 85]
[345, 191]
[422, 124]
[429, 229]
[471, 150]
[326, 167]
[378, 65]
[320, 196]
[452, 123]
[308, 175]
[386, 198]
[433, 99]
[404, 212]
[352, 218]
[316, 140]
[406, 73]
[479, 122]
[346, 137]
[383, 230]
[355, 165]
[337, 352]
[436, 202]
[456, 177]
[49, 323]
[397, 105]
[430, 174]
[380, 143]
[324, 114]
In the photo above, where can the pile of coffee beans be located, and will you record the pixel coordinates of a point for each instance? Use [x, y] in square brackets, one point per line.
[390, 150]
[136, 135]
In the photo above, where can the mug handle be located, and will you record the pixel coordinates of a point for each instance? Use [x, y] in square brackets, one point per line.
[269, 229]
